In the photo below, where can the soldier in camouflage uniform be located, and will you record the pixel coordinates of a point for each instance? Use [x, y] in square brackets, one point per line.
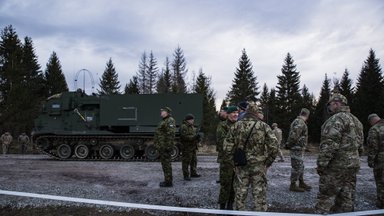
[164, 141]
[6, 140]
[227, 194]
[338, 161]
[375, 142]
[189, 139]
[297, 142]
[279, 135]
[261, 151]
[23, 139]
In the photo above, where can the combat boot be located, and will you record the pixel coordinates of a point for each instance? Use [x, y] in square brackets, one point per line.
[222, 206]
[295, 188]
[166, 184]
[304, 186]
[230, 205]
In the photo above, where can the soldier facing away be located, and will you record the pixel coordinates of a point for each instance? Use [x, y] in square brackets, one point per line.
[23, 140]
[6, 140]
[375, 144]
[297, 142]
[260, 152]
[227, 194]
[164, 141]
[189, 139]
[338, 161]
[279, 135]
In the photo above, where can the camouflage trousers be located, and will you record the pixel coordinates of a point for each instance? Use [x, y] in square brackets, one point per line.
[379, 178]
[189, 162]
[338, 184]
[254, 176]
[23, 148]
[165, 159]
[5, 148]
[280, 154]
[297, 164]
[227, 193]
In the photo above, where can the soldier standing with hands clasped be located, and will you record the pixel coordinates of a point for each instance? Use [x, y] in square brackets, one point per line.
[23, 139]
[6, 140]
[164, 141]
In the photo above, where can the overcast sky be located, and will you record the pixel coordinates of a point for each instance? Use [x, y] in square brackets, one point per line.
[322, 36]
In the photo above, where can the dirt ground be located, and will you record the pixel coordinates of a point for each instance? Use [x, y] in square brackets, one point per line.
[138, 182]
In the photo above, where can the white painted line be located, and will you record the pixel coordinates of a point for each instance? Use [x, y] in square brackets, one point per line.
[168, 208]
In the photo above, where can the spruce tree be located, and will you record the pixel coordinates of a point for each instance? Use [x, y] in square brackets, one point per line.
[369, 90]
[109, 83]
[288, 93]
[272, 108]
[152, 73]
[141, 74]
[179, 69]
[132, 87]
[264, 98]
[209, 123]
[54, 76]
[244, 86]
[346, 88]
[164, 82]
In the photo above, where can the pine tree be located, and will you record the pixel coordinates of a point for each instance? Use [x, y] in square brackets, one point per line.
[264, 98]
[209, 123]
[320, 114]
[307, 99]
[142, 74]
[151, 73]
[346, 88]
[54, 76]
[164, 82]
[179, 68]
[272, 108]
[132, 87]
[288, 93]
[244, 86]
[369, 90]
[109, 83]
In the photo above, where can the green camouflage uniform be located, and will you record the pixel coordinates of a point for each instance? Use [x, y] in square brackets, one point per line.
[279, 135]
[227, 194]
[338, 162]
[6, 140]
[297, 141]
[23, 139]
[375, 142]
[261, 151]
[188, 137]
[164, 141]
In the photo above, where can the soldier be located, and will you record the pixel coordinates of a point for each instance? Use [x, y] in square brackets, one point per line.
[338, 161]
[23, 139]
[296, 142]
[260, 152]
[242, 108]
[164, 141]
[375, 142]
[6, 140]
[219, 146]
[227, 194]
[279, 135]
[189, 139]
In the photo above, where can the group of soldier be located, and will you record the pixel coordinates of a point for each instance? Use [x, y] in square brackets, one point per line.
[6, 140]
[242, 127]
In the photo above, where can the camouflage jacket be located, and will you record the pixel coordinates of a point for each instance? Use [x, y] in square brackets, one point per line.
[165, 133]
[24, 139]
[340, 142]
[279, 135]
[375, 144]
[261, 149]
[6, 139]
[298, 134]
[221, 132]
[188, 136]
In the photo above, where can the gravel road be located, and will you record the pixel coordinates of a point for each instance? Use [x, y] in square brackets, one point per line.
[138, 182]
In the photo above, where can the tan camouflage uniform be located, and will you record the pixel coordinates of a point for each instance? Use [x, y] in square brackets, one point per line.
[261, 151]
[6, 140]
[279, 135]
[23, 139]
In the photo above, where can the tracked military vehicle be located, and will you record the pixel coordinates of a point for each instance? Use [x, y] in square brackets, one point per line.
[77, 126]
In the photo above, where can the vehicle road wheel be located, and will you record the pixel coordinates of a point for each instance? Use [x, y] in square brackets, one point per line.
[127, 151]
[106, 151]
[64, 151]
[151, 152]
[82, 151]
[175, 153]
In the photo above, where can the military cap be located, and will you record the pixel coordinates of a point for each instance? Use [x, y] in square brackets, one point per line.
[274, 125]
[372, 115]
[253, 108]
[224, 108]
[189, 116]
[167, 109]
[304, 111]
[232, 109]
[243, 105]
[338, 97]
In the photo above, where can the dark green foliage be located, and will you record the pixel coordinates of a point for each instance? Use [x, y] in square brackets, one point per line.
[54, 77]
[346, 88]
[142, 74]
[109, 83]
[272, 108]
[288, 93]
[152, 72]
[132, 87]
[264, 98]
[179, 68]
[369, 90]
[210, 120]
[244, 86]
[164, 83]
